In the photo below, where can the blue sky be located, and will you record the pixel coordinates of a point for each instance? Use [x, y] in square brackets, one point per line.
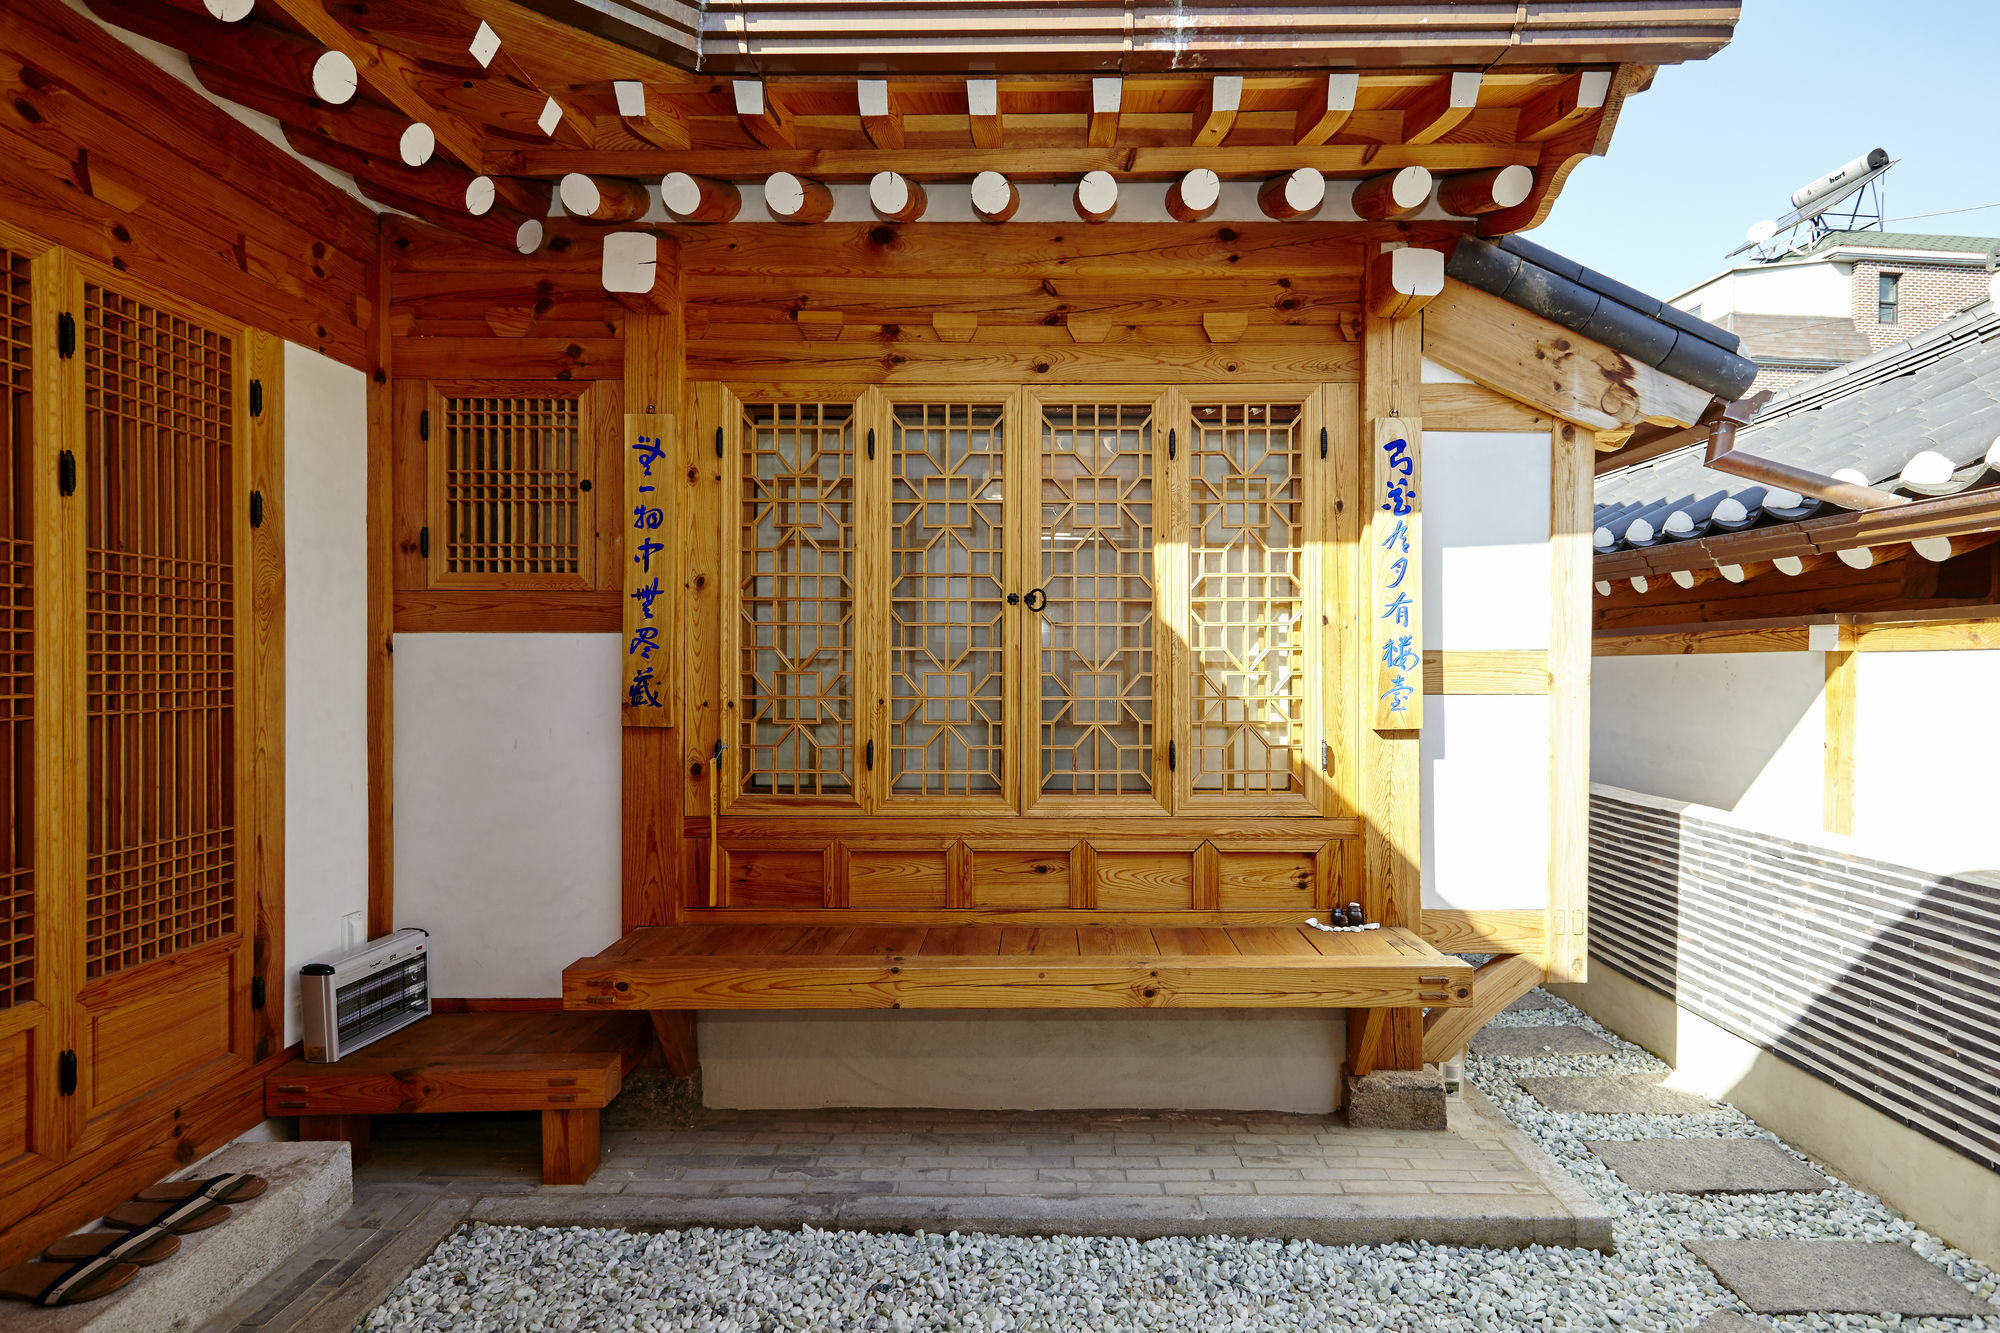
[1805, 86]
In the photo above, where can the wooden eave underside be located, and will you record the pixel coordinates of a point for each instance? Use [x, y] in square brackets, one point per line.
[487, 118]
[760, 36]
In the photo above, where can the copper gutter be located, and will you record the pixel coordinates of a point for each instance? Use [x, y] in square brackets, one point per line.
[1723, 457]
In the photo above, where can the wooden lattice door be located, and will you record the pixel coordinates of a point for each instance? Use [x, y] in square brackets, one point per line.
[160, 513]
[1102, 522]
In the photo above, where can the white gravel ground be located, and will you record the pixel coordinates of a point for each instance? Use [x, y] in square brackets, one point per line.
[503, 1279]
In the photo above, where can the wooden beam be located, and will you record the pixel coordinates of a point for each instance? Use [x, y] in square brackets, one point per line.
[1475, 192]
[381, 601]
[1403, 281]
[1495, 985]
[1454, 931]
[1215, 114]
[1107, 96]
[881, 119]
[393, 76]
[558, 120]
[1326, 109]
[896, 197]
[1194, 196]
[1441, 108]
[1564, 107]
[698, 198]
[1537, 361]
[819, 325]
[1486, 671]
[1570, 528]
[994, 197]
[1097, 196]
[795, 200]
[954, 326]
[1393, 194]
[1224, 326]
[604, 199]
[1292, 195]
[1839, 699]
[653, 119]
[982, 107]
[762, 116]
[1365, 1042]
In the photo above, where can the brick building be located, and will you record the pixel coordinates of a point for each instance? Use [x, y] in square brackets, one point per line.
[1846, 295]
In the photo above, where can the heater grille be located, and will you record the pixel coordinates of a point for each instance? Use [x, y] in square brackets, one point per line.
[365, 995]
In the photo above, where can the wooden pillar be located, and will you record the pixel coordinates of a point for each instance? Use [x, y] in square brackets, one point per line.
[655, 382]
[571, 1146]
[1573, 456]
[1387, 773]
[1839, 753]
[381, 601]
[265, 826]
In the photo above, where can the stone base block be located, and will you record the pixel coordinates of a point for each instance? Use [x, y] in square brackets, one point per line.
[1397, 1099]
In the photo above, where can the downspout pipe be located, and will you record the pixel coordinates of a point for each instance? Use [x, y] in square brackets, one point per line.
[1723, 457]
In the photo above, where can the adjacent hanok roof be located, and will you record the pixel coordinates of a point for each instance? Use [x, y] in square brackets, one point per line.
[1921, 418]
[1813, 341]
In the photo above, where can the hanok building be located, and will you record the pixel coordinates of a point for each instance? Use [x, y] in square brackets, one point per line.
[737, 512]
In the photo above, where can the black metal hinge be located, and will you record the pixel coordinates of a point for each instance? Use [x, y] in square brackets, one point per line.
[256, 992]
[66, 473]
[66, 335]
[256, 509]
[66, 1073]
[424, 424]
[256, 398]
[424, 542]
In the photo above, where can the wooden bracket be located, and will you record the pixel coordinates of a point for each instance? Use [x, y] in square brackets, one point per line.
[953, 327]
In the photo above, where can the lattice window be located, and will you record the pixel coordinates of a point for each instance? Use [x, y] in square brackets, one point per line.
[17, 646]
[797, 599]
[511, 476]
[1246, 628]
[159, 493]
[946, 569]
[1097, 709]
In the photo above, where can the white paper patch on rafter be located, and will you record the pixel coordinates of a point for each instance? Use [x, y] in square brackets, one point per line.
[630, 258]
[528, 237]
[485, 44]
[229, 11]
[479, 195]
[551, 116]
[335, 79]
[631, 95]
[419, 141]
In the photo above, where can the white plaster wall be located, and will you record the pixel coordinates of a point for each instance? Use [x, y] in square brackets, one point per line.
[326, 660]
[1818, 288]
[1742, 732]
[507, 805]
[1485, 758]
[1486, 532]
[1485, 761]
[1169, 1059]
[1925, 737]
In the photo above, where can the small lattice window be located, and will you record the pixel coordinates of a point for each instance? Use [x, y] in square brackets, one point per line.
[796, 599]
[159, 496]
[512, 483]
[17, 645]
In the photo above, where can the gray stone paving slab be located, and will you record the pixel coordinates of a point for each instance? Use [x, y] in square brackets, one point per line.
[1708, 1166]
[1614, 1094]
[1730, 1323]
[1835, 1277]
[1534, 999]
[1529, 1042]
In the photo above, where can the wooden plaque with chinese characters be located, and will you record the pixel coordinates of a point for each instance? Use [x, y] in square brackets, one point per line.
[1395, 574]
[647, 520]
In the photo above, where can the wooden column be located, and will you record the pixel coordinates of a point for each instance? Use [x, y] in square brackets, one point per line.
[1573, 457]
[1388, 776]
[266, 824]
[1839, 753]
[655, 380]
[381, 602]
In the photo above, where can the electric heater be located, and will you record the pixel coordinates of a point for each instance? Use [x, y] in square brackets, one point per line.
[365, 995]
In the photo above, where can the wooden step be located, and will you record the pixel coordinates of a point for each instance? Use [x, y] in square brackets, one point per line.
[1015, 967]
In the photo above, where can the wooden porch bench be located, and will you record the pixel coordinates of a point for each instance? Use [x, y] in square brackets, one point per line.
[567, 1066]
[673, 970]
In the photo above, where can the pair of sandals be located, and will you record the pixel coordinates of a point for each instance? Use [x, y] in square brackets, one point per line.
[89, 1265]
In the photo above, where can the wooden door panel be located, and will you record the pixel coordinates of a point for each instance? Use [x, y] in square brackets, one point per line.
[154, 1034]
[1145, 881]
[896, 879]
[1269, 881]
[1005, 878]
[30, 1138]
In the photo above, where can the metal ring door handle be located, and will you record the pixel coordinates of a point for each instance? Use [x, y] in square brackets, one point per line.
[1035, 600]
